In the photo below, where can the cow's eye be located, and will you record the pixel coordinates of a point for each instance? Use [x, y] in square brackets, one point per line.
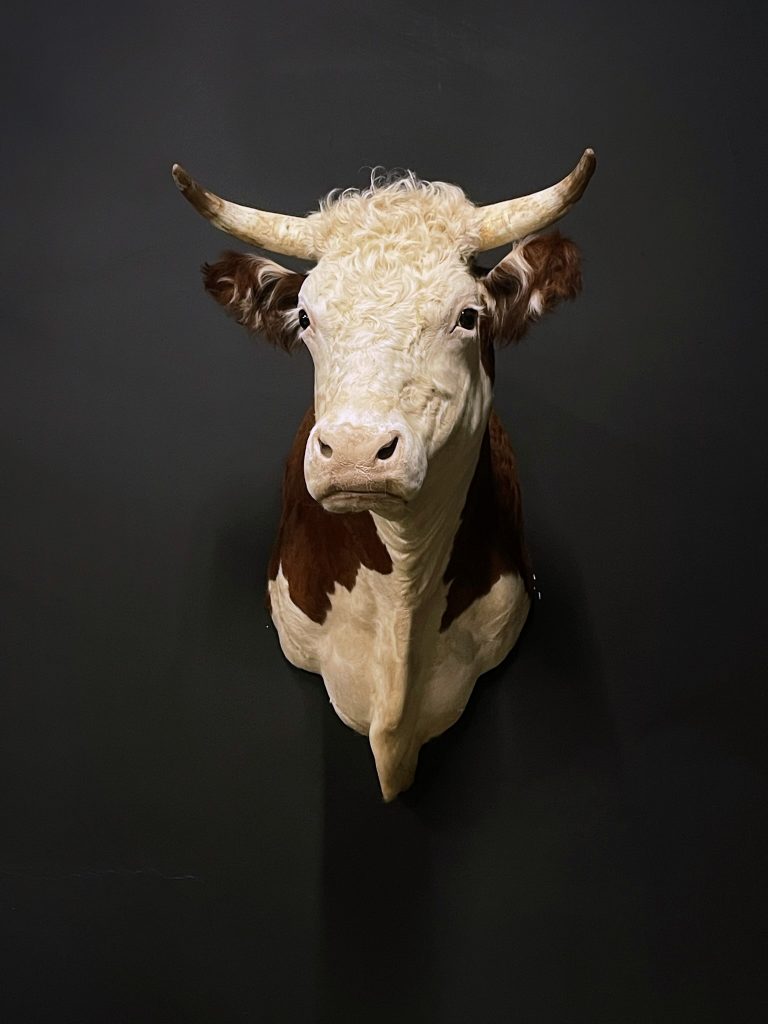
[303, 319]
[467, 319]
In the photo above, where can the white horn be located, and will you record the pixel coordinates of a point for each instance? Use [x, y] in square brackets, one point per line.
[276, 232]
[505, 222]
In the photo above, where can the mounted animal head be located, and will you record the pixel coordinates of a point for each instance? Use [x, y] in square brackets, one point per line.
[400, 322]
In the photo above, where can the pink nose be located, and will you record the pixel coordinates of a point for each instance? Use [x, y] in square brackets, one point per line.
[355, 450]
[357, 458]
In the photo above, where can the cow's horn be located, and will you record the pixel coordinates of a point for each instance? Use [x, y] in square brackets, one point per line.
[276, 232]
[505, 222]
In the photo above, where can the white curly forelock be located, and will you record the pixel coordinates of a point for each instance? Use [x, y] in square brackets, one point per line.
[404, 211]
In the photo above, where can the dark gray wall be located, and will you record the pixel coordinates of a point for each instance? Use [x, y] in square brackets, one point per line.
[189, 834]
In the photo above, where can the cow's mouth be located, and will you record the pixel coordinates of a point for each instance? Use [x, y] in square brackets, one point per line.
[382, 502]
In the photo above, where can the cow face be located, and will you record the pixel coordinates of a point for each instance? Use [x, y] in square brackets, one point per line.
[391, 316]
[400, 324]
[401, 328]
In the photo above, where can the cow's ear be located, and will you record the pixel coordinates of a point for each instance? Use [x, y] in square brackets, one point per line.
[532, 279]
[260, 294]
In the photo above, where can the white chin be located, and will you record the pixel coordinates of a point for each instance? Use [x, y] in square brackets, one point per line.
[388, 506]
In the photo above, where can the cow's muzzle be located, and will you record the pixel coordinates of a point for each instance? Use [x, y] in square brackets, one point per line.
[355, 467]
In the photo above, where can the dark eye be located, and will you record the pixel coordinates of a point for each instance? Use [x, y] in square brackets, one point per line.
[468, 319]
[303, 320]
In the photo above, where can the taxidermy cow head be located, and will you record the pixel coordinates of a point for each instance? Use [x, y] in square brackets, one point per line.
[401, 326]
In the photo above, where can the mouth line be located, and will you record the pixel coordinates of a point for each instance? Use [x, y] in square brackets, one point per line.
[373, 496]
[352, 490]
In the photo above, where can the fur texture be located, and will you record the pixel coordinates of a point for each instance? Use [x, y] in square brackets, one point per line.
[537, 274]
[408, 576]
[258, 293]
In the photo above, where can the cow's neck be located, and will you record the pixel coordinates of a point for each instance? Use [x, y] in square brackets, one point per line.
[420, 546]
[420, 543]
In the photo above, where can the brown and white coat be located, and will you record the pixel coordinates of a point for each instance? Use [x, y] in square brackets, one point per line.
[400, 572]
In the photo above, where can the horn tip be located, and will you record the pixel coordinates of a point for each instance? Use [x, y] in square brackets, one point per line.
[180, 176]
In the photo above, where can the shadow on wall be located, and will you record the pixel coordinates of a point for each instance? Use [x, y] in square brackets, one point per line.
[534, 729]
[544, 707]
[385, 888]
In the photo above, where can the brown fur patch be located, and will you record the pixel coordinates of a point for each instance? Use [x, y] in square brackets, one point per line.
[489, 541]
[318, 549]
[258, 293]
[554, 266]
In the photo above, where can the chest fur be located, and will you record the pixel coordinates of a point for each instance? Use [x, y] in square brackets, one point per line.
[381, 660]
[399, 662]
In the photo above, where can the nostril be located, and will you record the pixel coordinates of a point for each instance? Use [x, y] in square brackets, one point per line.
[325, 449]
[388, 450]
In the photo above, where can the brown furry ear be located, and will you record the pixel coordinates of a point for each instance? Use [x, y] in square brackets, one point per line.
[260, 294]
[531, 280]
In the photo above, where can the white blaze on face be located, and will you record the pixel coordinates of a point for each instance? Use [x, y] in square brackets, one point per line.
[397, 378]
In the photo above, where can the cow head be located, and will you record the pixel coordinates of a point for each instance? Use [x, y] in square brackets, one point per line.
[399, 321]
